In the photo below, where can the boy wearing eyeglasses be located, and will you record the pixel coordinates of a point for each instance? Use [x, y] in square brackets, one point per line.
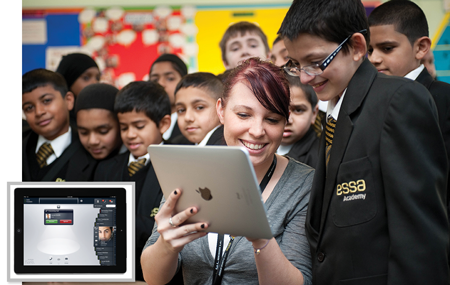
[377, 210]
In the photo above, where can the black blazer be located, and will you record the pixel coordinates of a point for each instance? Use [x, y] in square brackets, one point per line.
[441, 95]
[75, 163]
[377, 215]
[148, 197]
[216, 137]
[306, 149]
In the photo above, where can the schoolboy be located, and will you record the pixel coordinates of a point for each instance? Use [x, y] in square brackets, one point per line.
[167, 70]
[299, 138]
[51, 149]
[98, 126]
[195, 101]
[398, 43]
[143, 110]
[377, 207]
[243, 40]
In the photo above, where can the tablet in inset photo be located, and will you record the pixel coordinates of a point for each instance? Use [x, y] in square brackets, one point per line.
[70, 230]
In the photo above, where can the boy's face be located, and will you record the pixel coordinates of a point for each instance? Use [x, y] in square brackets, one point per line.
[164, 74]
[301, 117]
[309, 49]
[90, 76]
[279, 54]
[138, 131]
[391, 52]
[47, 112]
[98, 130]
[240, 48]
[196, 113]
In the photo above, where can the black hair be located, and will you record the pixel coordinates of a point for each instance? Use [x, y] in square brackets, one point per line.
[406, 16]
[204, 80]
[333, 20]
[42, 77]
[144, 96]
[294, 81]
[175, 61]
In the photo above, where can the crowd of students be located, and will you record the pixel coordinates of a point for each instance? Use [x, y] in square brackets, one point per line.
[357, 194]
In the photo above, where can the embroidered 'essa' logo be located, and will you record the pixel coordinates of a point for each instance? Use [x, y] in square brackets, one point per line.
[154, 212]
[351, 187]
[60, 180]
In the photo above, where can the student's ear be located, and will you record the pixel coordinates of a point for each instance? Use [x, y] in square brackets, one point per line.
[164, 124]
[315, 111]
[358, 46]
[70, 100]
[421, 47]
[220, 109]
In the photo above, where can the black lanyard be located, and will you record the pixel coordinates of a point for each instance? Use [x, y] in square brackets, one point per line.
[219, 262]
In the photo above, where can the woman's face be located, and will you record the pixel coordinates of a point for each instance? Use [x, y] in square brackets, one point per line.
[247, 123]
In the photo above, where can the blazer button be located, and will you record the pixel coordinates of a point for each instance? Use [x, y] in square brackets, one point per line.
[320, 256]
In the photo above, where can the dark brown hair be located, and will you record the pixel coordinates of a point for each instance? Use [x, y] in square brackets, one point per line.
[265, 80]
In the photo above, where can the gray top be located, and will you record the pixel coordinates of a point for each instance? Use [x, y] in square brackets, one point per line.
[286, 211]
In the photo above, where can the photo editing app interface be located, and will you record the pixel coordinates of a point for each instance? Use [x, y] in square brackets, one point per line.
[69, 231]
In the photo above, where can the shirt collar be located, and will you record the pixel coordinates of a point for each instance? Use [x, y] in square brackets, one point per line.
[334, 106]
[59, 144]
[415, 73]
[206, 138]
[131, 158]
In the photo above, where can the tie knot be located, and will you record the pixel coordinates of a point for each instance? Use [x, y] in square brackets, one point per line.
[43, 154]
[135, 166]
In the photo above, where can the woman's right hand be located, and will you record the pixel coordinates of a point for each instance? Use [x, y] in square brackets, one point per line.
[176, 235]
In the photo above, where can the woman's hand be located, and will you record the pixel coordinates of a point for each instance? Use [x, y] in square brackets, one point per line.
[174, 235]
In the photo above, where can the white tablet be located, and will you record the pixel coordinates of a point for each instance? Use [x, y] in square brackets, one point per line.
[219, 181]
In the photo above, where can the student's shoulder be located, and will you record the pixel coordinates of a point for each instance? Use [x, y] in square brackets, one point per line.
[386, 87]
[114, 162]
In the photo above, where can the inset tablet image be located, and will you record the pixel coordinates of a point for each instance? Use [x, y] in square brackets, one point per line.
[70, 230]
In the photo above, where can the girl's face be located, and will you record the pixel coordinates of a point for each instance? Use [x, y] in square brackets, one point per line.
[90, 76]
[247, 123]
[164, 73]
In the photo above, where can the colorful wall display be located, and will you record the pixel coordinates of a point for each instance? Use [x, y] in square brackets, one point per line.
[125, 41]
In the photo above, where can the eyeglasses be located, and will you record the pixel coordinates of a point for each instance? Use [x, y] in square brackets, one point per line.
[315, 69]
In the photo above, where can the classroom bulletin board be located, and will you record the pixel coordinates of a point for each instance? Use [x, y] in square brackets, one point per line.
[125, 41]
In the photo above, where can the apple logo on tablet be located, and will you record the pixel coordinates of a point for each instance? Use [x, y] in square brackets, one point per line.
[205, 193]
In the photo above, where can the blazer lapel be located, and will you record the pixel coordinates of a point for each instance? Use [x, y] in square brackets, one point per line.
[357, 90]
[425, 78]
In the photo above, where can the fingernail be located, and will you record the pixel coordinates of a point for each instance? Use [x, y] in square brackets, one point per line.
[192, 210]
[175, 192]
[202, 226]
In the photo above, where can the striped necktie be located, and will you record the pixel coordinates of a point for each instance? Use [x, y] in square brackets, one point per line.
[43, 153]
[135, 166]
[329, 133]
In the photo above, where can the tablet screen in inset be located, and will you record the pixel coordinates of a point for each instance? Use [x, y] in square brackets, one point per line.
[72, 233]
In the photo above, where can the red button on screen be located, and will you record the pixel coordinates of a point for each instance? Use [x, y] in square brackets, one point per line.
[65, 221]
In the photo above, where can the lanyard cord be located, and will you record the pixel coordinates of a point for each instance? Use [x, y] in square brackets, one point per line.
[219, 263]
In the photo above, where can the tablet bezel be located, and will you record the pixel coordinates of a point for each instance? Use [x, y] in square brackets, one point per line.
[120, 235]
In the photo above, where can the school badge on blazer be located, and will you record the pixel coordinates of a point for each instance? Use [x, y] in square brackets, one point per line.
[353, 201]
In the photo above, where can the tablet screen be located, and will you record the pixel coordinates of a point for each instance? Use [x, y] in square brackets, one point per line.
[75, 231]
[69, 231]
